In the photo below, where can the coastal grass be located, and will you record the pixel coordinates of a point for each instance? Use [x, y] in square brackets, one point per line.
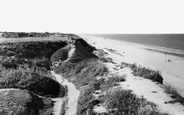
[174, 94]
[124, 102]
[146, 73]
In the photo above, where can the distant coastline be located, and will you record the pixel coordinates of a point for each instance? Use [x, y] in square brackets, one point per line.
[172, 44]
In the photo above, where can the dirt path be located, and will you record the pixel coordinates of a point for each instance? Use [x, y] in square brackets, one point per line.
[72, 97]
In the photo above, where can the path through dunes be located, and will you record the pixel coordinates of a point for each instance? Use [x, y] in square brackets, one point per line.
[71, 97]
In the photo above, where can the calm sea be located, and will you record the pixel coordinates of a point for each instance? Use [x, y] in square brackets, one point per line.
[173, 41]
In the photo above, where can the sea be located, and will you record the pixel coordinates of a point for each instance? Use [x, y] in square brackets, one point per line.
[174, 42]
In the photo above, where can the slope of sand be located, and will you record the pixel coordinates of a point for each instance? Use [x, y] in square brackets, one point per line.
[172, 72]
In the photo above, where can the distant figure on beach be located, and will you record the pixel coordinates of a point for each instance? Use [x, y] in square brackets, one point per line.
[168, 60]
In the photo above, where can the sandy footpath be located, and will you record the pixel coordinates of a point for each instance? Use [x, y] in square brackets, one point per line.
[172, 72]
[72, 96]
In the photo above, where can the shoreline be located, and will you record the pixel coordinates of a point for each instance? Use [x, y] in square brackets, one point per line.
[155, 48]
[146, 44]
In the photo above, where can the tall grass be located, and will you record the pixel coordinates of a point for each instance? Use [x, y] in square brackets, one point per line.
[147, 73]
[174, 94]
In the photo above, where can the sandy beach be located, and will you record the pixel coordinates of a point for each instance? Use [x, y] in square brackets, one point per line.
[170, 66]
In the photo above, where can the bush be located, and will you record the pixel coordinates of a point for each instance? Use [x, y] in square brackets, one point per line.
[12, 62]
[37, 49]
[147, 73]
[86, 101]
[22, 102]
[66, 68]
[44, 63]
[122, 102]
[32, 81]
[61, 54]
[174, 94]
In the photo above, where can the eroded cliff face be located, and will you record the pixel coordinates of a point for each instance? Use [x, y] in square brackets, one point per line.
[78, 50]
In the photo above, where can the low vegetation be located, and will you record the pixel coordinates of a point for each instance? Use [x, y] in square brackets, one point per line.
[146, 73]
[83, 72]
[123, 102]
[98, 88]
[174, 94]
[34, 81]
[22, 102]
[61, 54]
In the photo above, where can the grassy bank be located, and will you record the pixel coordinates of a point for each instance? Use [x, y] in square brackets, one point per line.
[97, 88]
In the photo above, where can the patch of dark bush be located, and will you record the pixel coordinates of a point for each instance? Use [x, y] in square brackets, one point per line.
[84, 101]
[147, 73]
[61, 54]
[33, 81]
[22, 102]
[34, 49]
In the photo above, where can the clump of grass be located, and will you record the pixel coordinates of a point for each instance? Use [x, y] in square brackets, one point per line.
[116, 78]
[147, 73]
[124, 102]
[174, 94]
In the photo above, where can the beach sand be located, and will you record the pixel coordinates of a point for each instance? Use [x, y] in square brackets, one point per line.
[170, 66]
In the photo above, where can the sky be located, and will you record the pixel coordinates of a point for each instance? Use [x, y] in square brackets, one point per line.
[92, 16]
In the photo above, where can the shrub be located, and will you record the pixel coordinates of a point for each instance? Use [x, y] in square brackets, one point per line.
[22, 102]
[174, 94]
[147, 73]
[35, 49]
[66, 68]
[45, 63]
[32, 81]
[61, 54]
[84, 105]
[87, 71]
[123, 102]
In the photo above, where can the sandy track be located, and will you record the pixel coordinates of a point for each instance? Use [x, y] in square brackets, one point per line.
[72, 97]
